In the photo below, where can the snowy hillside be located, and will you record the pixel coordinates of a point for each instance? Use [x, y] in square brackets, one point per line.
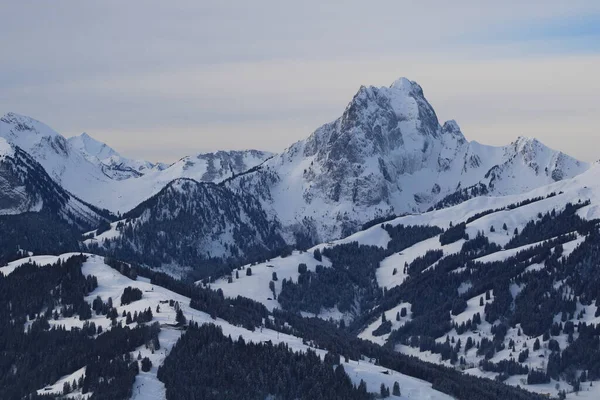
[496, 261]
[388, 154]
[112, 284]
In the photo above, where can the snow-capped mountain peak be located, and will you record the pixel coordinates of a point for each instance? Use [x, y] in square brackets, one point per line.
[451, 127]
[21, 126]
[31, 135]
[110, 161]
[388, 154]
[91, 146]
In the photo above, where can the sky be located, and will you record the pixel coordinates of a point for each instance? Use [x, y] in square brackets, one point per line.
[163, 79]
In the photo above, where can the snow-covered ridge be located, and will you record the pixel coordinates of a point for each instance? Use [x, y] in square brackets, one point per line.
[99, 175]
[112, 163]
[581, 188]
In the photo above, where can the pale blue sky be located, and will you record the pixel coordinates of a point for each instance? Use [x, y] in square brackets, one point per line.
[160, 80]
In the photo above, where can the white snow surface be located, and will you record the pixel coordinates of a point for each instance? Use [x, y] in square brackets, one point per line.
[256, 286]
[6, 149]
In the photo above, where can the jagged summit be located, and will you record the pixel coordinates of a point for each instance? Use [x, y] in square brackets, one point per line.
[452, 127]
[403, 83]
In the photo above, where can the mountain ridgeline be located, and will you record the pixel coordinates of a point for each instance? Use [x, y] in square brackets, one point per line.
[201, 226]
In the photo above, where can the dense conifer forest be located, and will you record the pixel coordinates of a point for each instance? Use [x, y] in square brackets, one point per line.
[234, 369]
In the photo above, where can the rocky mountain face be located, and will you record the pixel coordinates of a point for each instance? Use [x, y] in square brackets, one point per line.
[388, 154]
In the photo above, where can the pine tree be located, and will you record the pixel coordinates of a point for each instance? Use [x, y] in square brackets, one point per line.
[146, 364]
[362, 387]
[302, 268]
[180, 318]
[396, 390]
[383, 391]
[317, 255]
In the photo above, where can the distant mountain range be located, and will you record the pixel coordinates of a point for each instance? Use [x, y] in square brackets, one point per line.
[386, 155]
[98, 174]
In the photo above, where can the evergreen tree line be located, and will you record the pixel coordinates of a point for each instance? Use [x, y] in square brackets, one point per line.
[205, 364]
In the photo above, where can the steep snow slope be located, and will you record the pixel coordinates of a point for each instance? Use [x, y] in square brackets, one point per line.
[99, 175]
[111, 163]
[147, 386]
[26, 187]
[388, 154]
